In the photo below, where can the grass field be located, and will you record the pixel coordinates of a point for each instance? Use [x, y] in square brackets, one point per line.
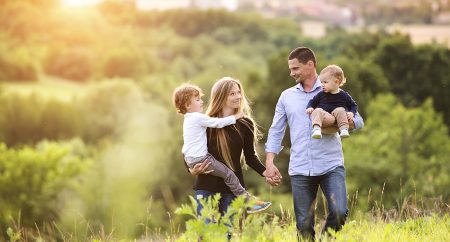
[371, 226]
[48, 87]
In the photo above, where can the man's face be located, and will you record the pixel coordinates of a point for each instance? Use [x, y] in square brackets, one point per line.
[299, 71]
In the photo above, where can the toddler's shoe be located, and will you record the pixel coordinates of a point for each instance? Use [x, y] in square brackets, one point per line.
[317, 133]
[344, 133]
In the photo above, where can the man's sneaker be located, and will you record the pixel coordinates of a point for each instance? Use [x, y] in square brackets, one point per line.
[344, 133]
[259, 206]
[317, 133]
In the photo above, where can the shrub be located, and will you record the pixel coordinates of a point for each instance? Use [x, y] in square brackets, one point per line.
[29, 119]
[124, 63]
[33, 178]
[17, 65]
[73, 63]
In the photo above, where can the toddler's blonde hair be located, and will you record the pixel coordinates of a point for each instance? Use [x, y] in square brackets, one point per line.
[336, 72]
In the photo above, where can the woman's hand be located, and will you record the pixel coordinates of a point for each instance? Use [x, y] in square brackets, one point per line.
[309, 110]
[273, 181]
[201, 168]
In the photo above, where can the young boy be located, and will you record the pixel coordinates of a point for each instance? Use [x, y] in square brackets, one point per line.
[331, 102]
[188, 102]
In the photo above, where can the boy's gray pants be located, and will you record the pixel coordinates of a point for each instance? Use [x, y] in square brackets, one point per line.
[221, 170]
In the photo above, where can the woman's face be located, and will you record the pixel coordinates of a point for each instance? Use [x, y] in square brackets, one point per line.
[234, 97]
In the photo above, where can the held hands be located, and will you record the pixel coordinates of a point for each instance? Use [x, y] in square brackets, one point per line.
[201, 168]
[273, 175]
[309, 110]
[239, 115]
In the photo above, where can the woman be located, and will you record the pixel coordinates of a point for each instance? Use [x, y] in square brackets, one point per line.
[228, 143]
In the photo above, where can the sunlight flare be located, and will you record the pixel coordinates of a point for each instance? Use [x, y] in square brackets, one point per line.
[79, 3]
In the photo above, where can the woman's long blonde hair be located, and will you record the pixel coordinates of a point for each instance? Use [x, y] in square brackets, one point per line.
[219, 94]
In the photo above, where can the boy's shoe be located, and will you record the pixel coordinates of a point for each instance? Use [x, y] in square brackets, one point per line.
[259, 206]
[317, 133]
[344, 133]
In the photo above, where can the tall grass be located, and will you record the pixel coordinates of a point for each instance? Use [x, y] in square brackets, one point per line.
[409, 222]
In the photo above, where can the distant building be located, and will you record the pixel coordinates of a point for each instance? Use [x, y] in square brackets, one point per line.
[442, 18]
[319, 10]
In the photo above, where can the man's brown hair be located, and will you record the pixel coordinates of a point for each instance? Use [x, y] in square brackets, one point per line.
[303, 55]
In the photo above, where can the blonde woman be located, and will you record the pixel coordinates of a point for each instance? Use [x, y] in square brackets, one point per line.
[228, 144]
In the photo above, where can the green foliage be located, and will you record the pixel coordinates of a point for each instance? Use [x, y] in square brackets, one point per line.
[210, 225]
[16, 17]
[109, 105]
[32, 179]
[29, 119]
[124, 62]
[265, 227]
[432, 228]
[405, 153]
[416, 73]
[13, 236]
[129, 188]
[16, 63]
[70, 63]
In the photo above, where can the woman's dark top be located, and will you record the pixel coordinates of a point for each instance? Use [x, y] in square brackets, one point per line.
[236, 143]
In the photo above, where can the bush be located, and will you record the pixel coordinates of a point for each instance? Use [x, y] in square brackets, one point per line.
[73, 63]
[16, 65]
[29, 119]
[124, 63]
[107, 107]
[33, 178]
[213, 226]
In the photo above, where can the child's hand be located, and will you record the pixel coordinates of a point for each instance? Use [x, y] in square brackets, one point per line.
[350, 115]
[309, 110]
[239, 114]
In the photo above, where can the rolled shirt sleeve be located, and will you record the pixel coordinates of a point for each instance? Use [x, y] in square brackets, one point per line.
[277, 129]
[359, 122]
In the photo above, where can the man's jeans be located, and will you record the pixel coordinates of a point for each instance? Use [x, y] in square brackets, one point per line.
[304, 192]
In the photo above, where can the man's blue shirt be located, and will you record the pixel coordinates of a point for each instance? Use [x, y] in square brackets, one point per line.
[309, 156]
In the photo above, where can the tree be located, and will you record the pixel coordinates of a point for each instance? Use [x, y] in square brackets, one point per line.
[32, 180]
[416, 73]
[405, 148]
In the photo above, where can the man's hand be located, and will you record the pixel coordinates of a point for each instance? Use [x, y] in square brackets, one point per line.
[201, 168]
[309, 110]
[275, 181]
[272, 174]
[272, 171]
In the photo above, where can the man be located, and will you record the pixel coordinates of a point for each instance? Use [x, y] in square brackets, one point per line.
[313, 162]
